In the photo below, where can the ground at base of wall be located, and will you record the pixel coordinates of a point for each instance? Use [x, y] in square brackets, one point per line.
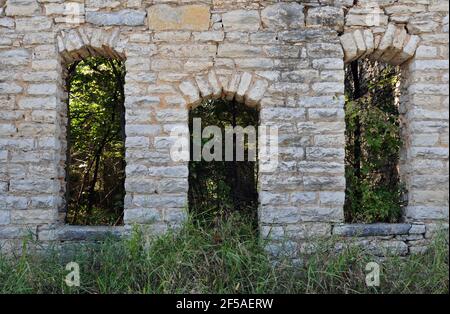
[379, 239]
[225, 259]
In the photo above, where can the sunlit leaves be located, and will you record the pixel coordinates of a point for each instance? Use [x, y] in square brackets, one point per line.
[95, 132]
[377, 195]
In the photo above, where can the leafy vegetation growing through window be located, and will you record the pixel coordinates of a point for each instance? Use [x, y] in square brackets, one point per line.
[217, 188]
[96, 134]
[374, 191]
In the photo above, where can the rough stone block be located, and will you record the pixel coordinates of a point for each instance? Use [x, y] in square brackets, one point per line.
[191, 91]
[283, 16]
[241, 20]
[22, 8]
[349, 46]
[366, 230]
[189, 17]
[326, 17]
[256, 92]
[124, 17]
[33, 24]
[4, 217]
[142, 215]
[367, 14]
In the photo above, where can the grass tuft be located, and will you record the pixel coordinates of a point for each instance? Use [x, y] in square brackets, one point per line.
[224, 258]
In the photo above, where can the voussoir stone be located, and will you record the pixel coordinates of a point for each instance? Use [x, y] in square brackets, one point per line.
[188, 17]
[124, 17]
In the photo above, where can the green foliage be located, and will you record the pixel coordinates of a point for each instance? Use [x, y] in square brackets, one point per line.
[225, 258]
[374, 191]
[97, 216]
[218, 187]
[96, 141]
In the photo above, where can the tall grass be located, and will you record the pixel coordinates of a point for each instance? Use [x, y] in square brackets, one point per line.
[224, 258]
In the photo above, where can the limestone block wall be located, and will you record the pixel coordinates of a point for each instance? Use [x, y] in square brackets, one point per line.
[285, 58]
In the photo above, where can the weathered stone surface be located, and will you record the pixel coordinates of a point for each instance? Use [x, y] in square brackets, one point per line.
[190, 90]
[103, 4]
[388, 248]
[408, 51]
[360, 43]
[284, 57]
[22, 7]
[215, 84]
[238, 50]
[365, 230]
[244, 84]
[417, 229]
[79, 233]
[283, 16]
[241, 20]
[4, 217]
[66, 9]
[142, 215]
[7, 22]
[386, 41]
[33, 24]
[124, 17]
[326, 17]
[369, 42]
[189, 17]
[349, 46]
[256, 92]
[367, 14]
[15, 232]
[204, 87]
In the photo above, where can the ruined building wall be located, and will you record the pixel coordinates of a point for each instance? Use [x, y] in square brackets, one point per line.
[286, 58]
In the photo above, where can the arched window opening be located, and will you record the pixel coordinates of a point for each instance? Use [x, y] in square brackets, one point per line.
[374, 191]
[228, 182]
[96, 137]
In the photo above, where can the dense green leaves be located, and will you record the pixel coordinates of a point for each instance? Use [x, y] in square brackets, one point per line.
[96, 141]
[374, 191]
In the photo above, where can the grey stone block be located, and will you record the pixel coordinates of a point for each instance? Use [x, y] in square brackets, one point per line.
[366, 230]
[87, 233]
[124, 17]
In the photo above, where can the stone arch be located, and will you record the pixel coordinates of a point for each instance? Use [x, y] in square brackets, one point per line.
[246, 87]
[76, 44]
[370, 32]
[395, 46]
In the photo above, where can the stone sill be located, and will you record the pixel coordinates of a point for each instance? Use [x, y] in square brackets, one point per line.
[97, 233]
[377, 229]
[88, 233]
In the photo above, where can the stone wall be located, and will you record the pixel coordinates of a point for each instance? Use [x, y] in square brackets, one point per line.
[286, 58]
